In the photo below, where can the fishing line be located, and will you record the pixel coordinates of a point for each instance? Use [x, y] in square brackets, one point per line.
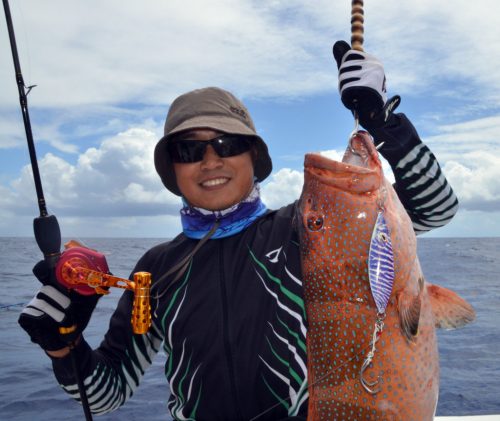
[8, 306]
[323, 377]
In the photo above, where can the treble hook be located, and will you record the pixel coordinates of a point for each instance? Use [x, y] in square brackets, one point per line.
[367, 385]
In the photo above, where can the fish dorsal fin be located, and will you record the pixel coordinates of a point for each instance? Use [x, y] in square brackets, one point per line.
[409, 314]
[449, 309]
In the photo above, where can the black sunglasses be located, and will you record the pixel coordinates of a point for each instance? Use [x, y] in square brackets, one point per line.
[188, 151]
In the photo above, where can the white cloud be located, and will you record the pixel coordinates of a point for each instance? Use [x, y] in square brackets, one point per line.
[283, 188]
[92, 60]
[115, 185]
[453, 140]
[120, 51]
[285, 185]
[115, 179]
[333, 154]
[425, 43]
[476, 180]
[105, 67]
[150, 54]
[469, 152]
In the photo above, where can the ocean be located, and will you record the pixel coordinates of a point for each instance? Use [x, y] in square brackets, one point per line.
[469, 357]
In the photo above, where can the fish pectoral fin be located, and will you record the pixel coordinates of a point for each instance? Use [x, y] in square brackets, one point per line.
[450, 310]
[409, 314]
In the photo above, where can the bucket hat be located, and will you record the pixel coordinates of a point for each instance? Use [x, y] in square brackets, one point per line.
[208, 108]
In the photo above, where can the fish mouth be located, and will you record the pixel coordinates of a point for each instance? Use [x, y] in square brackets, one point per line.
[359, 171]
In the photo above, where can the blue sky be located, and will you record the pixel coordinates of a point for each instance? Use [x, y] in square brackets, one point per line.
[106, 73]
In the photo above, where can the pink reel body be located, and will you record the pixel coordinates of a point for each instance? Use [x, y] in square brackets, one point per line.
[75, 258]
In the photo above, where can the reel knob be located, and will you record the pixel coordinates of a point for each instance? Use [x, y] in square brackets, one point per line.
[141, 310]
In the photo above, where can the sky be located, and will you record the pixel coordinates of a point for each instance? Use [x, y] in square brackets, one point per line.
[106, 73]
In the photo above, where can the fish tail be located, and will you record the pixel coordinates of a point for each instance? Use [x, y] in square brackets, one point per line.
[450, 310]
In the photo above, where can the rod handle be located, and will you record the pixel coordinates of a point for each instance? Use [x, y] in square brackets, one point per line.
[48, 238]
[357, 22]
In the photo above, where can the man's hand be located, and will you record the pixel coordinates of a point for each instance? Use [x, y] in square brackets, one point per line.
[362, 86]
[55, 316]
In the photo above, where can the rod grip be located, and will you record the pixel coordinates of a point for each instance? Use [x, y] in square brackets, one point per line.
[48, 238]
[141, 310]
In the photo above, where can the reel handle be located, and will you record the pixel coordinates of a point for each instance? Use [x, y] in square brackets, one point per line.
[86, 271]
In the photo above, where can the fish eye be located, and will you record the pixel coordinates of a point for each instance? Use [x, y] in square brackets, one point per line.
[315, 223]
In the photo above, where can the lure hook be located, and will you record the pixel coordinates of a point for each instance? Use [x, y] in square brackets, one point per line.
[367, 385]
[356, 124]
[353, 134]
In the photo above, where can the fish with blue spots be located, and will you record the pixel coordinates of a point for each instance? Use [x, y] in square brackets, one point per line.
[372, 316]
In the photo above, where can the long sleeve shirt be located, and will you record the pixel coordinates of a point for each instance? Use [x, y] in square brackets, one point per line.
[233, 326]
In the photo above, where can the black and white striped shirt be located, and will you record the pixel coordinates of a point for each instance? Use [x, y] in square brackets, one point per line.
[420, 183]
[258, 272]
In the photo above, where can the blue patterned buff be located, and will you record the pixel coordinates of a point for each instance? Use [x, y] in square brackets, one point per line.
[197, 222]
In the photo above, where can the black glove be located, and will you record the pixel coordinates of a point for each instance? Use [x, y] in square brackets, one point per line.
[54, 307]
[362, 86]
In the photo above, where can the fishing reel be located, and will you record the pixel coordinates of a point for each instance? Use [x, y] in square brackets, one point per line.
[86, 271]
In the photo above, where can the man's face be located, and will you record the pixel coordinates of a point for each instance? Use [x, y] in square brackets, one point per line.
[214, 183]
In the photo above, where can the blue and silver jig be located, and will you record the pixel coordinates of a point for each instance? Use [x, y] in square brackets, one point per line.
[381, 263]
[381, 275]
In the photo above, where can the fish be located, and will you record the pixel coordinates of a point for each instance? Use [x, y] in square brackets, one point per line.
[372, 316]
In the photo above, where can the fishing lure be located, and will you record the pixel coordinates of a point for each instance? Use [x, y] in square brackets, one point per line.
[381, 263]
[381, 276]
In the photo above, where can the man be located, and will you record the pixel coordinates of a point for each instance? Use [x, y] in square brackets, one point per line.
[227, 293]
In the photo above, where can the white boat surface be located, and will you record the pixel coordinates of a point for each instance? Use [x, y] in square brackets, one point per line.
[470, 418]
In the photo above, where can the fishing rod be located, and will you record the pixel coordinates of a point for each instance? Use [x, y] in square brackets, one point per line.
[357, 24]
[45, 226]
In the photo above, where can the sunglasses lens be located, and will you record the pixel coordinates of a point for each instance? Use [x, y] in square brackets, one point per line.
[188, 151]
[231, 145]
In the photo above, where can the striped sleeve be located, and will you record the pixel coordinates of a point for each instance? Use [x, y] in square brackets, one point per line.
[112, 372]
[420, 184]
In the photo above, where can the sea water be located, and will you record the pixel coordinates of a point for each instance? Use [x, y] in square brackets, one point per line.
[469, 357]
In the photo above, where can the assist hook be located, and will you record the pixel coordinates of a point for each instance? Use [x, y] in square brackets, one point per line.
[367, 385]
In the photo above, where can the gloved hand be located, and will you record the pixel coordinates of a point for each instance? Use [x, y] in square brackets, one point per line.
[54, 307]
[362, 86]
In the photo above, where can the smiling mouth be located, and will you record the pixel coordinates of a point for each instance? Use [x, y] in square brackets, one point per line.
[214, 182]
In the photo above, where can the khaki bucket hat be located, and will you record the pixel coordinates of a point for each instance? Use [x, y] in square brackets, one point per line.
[210, 108]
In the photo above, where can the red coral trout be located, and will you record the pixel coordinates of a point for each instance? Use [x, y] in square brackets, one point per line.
[371, 340]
